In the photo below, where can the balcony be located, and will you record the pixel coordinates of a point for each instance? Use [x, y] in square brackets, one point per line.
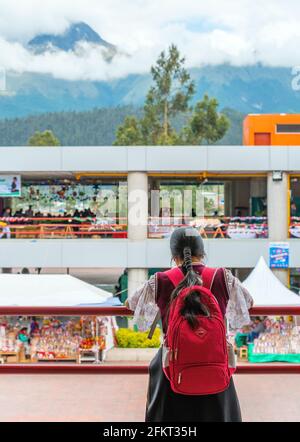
[250, 227]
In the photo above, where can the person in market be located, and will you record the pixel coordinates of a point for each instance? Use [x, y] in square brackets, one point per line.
[7, 212]
[24, 339]
[34, 326]
[155, 297]
[4, 230]
[293, 209]
[4, 224]
[29, 212]
[259, 327]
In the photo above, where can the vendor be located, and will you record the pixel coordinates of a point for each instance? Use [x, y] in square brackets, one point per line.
[22, 336]
[293, 209]
[259, 327]
[24, 341]
[34, 326]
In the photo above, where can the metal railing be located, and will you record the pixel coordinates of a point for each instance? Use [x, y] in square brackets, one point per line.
[46, 368]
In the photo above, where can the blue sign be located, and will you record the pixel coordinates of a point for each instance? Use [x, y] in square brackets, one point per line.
[279, 255]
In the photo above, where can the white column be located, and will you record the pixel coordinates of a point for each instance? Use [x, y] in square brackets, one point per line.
[277, 216]
[136, 277]
[137, 222]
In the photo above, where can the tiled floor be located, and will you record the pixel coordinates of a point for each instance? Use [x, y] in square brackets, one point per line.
[122, 398]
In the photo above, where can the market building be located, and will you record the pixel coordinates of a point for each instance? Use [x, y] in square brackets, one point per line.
[114, 207]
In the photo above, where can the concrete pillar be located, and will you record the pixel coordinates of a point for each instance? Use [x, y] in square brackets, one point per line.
[277, 216]
[137, 222]
[137, 206]
[136, 277]
[228, 209]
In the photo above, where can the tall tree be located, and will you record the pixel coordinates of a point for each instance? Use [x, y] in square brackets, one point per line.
[205, 124]
[46, 138]
[172, 89]
[169, 96]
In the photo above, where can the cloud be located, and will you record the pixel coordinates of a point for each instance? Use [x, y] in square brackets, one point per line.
[238, 32]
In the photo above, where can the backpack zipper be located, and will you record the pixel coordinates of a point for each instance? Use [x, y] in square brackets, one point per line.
[175, 340]
[179, 378]
[224, 335]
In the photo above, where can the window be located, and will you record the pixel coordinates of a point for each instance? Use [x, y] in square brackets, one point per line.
[288, 128]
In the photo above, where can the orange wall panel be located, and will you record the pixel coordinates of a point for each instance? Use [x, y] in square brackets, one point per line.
[267, 124]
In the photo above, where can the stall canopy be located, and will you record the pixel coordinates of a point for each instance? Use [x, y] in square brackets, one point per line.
[50, 290]
[267, 290]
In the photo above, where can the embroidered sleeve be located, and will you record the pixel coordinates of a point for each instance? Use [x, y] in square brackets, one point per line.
[239, 303]
[143, 303]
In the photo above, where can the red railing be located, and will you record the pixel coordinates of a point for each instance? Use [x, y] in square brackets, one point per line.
[63, 227]
[270, 368]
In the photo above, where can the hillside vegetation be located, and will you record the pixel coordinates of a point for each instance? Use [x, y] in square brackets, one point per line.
[91, 128]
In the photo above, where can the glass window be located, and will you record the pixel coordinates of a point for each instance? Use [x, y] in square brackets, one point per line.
[288, 128]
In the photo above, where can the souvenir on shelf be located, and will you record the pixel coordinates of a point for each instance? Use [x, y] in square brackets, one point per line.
[279, 338]
[52, 338]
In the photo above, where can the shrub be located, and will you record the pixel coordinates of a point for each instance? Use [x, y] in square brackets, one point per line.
[128, 338]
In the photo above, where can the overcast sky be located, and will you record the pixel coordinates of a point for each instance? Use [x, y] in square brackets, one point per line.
[214, 31]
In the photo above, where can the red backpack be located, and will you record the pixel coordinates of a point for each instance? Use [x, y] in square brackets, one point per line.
[196, 361]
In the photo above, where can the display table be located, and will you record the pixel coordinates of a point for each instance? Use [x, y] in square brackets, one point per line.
[4, 355]
[241, 233]
[270, 357]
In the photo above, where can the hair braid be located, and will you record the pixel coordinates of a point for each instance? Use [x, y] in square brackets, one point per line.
[187, 259]
[192, 303]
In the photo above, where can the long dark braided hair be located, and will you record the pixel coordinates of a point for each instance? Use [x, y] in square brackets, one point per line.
[186, 243]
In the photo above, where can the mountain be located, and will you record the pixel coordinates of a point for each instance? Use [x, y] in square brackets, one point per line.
[247, 89]
[74, 34]
[91, 128]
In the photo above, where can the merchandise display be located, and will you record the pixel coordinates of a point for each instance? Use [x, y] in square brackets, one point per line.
[270, 340]
[278, 341]
[38, 339]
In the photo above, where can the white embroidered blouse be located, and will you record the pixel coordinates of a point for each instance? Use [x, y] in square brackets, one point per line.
[142, 302]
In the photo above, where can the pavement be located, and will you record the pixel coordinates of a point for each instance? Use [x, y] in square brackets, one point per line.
[109, 398]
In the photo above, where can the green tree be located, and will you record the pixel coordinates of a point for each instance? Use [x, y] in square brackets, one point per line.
[168, 97]
[205, 124]
[46, 138]
[172, 90]
[130, 132]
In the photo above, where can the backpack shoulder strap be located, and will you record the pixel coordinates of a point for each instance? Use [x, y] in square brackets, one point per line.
[208, 277]
[175, 275]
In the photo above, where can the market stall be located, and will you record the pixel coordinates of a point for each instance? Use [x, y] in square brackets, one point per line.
[49, 338]
[269, 339]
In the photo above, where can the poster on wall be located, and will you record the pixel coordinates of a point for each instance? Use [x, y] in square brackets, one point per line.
[279, 255]
[10, 186]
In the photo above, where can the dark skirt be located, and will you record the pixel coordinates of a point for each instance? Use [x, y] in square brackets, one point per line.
[163, 405]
